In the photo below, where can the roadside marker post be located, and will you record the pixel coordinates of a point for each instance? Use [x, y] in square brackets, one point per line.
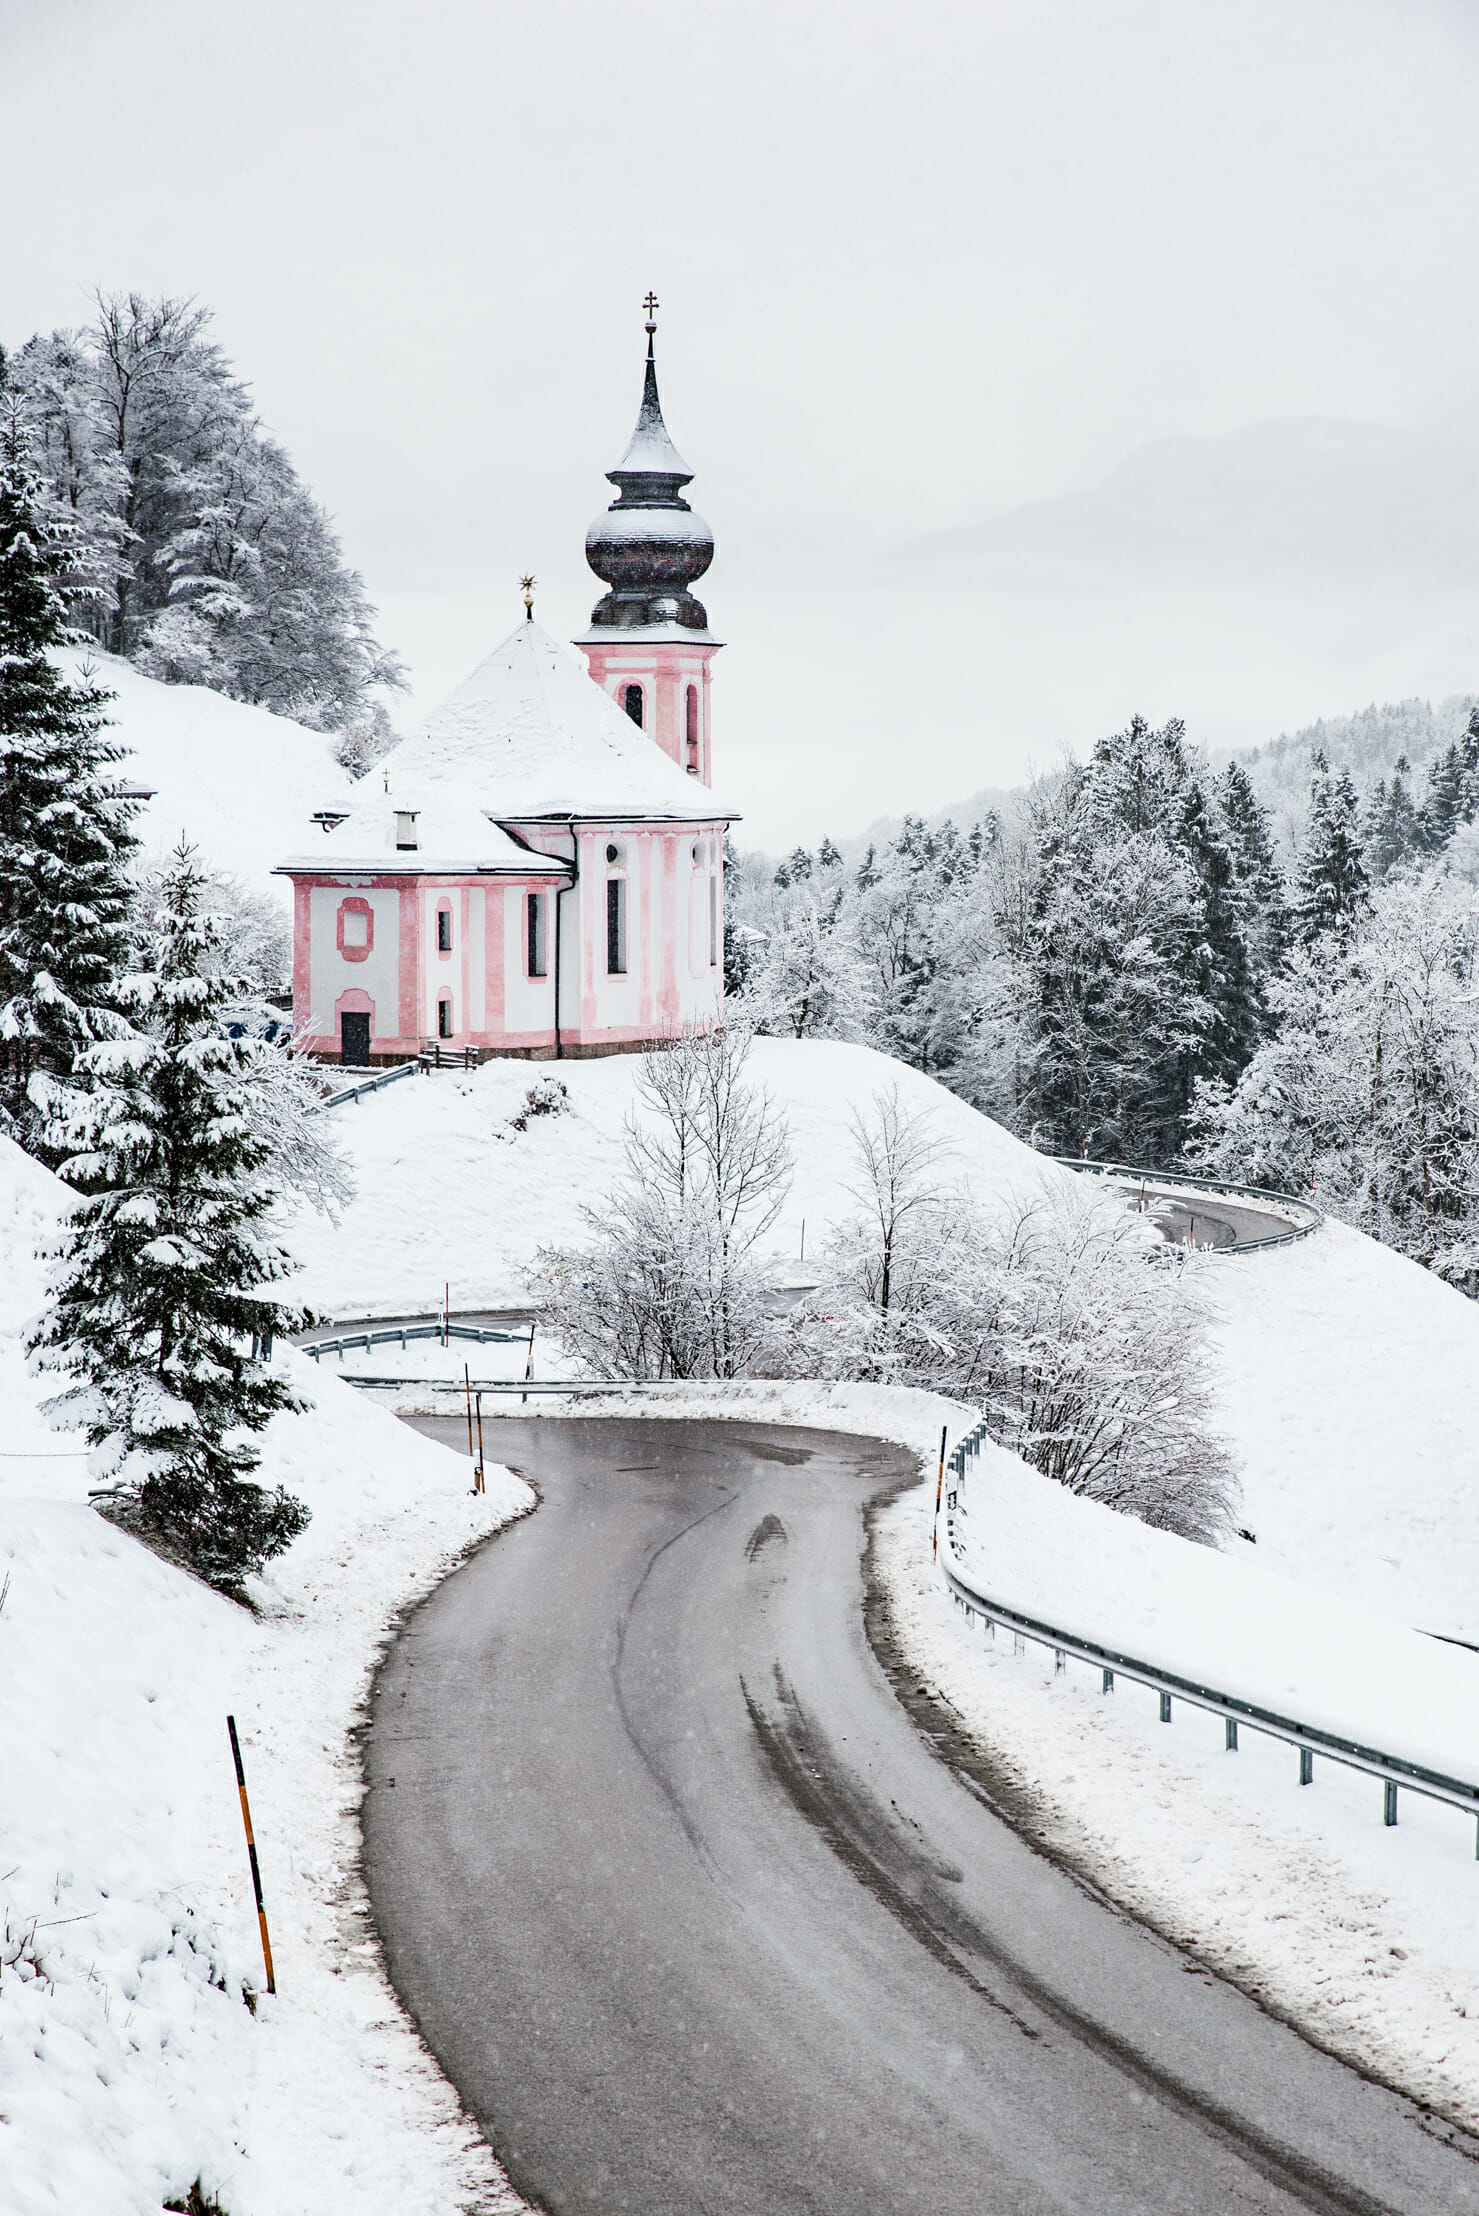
[939, 1496]
[246, 1817]
[467, 1384]
[479, 1483]
[529, 1364]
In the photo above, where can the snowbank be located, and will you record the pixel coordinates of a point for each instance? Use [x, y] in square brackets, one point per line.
[130, 2062]
[1226, 1622]
[1350, 1391]
[240, 783]
[449, 1194]
[1365, 1938]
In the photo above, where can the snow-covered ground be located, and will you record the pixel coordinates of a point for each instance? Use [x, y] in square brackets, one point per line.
[1350, 1389]
[450, 1194]
[1347, 1388]
[130, 2062]
[240, 783]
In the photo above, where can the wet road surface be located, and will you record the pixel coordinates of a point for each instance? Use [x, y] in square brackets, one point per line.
[700, 1924]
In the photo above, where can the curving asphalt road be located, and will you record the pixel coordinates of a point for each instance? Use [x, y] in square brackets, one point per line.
[701, 1922]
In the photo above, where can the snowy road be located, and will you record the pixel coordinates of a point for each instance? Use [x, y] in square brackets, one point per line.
[699, 1920]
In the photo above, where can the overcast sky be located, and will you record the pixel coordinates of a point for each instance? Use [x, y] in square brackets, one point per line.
[1038, 362]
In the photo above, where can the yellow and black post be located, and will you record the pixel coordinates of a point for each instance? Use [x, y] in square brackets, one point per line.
[246, 1817]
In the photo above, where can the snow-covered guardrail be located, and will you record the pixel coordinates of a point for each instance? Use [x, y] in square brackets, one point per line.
[1306, 1217]
[1394, 1770]
[370, 1085]
[399, 1334]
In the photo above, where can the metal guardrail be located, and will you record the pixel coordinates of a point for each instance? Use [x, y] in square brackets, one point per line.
[1168, 1180]
[399, 1334]
[1311, 1739]
[575, 1387]
[370, 1085]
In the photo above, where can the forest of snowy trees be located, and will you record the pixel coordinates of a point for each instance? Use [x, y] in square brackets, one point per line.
[205, 559]
[1122, 964]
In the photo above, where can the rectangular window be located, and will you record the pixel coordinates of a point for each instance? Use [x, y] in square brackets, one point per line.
[537, 963]
[444, 930]
[444, 1019]
[713, 922]
[616, 926]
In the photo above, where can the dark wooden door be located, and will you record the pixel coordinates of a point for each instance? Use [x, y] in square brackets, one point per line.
[354, 1041]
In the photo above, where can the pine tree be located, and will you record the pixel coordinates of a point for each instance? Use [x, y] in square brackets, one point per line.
[160, 1302]
[1452, 797]
[1250, 838]
[64, 837]
[1392, 831]
[1331, 880]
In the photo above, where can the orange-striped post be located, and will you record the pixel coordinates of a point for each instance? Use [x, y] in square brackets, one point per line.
[939, 1495]
[246, 1817]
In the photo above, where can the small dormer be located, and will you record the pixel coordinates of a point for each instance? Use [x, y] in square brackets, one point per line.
[407, 838]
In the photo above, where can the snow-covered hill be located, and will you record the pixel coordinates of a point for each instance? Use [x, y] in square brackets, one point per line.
[1350, 1388]
[130, 2063]
[242, 784]
[450, 1195]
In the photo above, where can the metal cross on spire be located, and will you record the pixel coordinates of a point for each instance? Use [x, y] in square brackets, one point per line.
[526, 587]
[651, 304]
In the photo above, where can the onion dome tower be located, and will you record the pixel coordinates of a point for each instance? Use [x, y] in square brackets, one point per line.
[649, 644]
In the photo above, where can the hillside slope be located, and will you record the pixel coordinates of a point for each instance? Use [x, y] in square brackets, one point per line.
[240, 783]
[451, 1196]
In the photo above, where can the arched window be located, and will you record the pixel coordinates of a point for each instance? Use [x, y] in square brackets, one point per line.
[444, 1019]
[631, 700]
[444, 930]
[693, 719]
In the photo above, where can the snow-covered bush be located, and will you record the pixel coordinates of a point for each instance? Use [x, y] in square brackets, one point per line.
[1084, 1349]
[668, 1286]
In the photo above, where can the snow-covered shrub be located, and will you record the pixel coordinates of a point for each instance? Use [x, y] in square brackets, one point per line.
[1084, 1349]
[547, 1098]
[668, 1285]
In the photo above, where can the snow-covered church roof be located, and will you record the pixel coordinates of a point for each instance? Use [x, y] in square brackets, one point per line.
[529, 735]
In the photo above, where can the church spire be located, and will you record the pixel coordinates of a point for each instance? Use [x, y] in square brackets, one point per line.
[652, 472]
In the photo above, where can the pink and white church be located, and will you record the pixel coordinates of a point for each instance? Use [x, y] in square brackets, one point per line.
[538, 871]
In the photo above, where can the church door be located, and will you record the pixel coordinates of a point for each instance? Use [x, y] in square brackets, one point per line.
[354, 1041]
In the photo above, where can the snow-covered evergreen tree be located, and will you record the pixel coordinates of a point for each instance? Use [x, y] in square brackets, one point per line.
[64, 837]
[1331, 878]
[162, 1298]
[1392, 832]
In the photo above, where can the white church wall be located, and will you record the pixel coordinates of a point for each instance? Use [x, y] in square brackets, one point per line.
[336, 969]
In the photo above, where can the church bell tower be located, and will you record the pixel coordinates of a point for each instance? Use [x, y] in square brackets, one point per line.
[649, 644]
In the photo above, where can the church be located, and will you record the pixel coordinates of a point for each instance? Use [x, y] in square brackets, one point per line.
[538, 871]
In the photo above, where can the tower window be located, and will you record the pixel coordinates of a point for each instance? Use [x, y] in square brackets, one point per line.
[616, 926]
[631, 700]
[537, 964]
[692, 713]
[444, 930]
[444, 1019]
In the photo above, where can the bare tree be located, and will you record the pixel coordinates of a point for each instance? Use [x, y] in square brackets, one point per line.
[669, 1286]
